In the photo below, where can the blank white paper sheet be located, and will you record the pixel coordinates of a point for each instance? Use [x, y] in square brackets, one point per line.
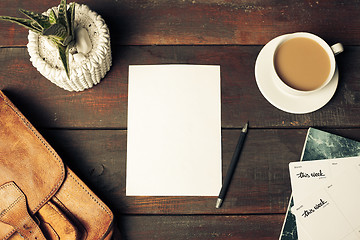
[174, 131]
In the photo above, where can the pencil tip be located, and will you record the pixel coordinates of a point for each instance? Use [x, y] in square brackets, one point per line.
[245, 128]
[218, 203]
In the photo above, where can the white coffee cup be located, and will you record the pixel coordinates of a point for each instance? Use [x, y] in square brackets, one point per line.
[331, 52]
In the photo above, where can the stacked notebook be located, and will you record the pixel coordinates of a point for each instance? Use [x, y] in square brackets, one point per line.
[324, 191]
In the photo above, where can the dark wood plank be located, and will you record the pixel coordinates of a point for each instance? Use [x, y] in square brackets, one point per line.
[261, 183]
[201, 227]
[138, 22]
[88, 129]
[105, 105]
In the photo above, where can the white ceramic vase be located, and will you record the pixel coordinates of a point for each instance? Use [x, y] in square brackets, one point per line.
[90, 56]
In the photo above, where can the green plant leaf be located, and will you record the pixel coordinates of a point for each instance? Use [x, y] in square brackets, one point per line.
[56, 41]
[57, 31]
[52, 17]
[64, 56]
[62, 15]
[36, 25]
[27, 23]
[42, 20]
[71, 19]
[67, 40]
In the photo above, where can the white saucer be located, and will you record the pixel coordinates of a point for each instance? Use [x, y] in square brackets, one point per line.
[284, 101]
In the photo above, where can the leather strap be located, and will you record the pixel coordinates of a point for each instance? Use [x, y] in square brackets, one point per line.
[13, 211]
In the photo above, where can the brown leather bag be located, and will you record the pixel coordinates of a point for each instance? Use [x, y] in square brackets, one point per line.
[40, 197]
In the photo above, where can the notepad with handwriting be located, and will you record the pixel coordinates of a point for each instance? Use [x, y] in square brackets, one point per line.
[318, 145]
[326, 197]
[174, 131]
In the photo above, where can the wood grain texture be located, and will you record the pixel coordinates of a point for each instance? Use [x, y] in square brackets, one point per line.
[139, 22]
[261, 183]
[105, 105]
[88, 129]
[201, 227]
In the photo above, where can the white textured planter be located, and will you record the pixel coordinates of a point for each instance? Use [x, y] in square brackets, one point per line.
[86, 69]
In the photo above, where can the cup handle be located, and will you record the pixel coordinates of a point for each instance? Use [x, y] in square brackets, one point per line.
[337, 48]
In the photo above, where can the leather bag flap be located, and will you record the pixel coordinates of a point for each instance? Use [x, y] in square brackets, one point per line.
[27, 160]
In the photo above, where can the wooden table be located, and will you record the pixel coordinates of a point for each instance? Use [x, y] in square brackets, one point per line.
[88, 129]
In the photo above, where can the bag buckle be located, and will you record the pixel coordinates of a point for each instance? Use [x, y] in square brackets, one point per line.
[13, 211]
